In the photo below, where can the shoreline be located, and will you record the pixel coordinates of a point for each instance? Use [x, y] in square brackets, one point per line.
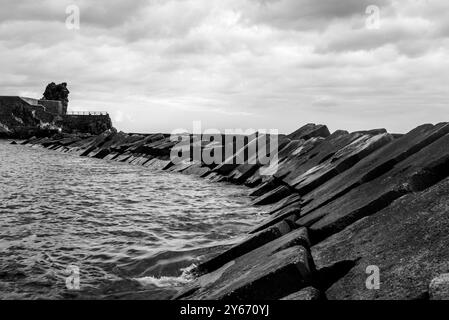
[340, 203]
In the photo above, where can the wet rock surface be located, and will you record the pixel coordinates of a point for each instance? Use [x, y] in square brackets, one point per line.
[341, 202]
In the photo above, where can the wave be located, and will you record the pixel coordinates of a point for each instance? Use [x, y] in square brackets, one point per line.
[167, 281]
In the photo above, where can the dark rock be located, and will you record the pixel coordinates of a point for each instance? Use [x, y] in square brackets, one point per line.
[407, 241]
[291, 159]
[312, 153]
[141, 160]
[251, 243]
[156, 164]
[270, 272]
[58, 92]
[13, 142]
[242, 173]
[293, 198]
[21, 120]
[265, 188]
[308, 131]
[233, 162]
[306, 294]
[339, 161]
[197, 169]
[374, 165]
[415, 173]
[273, 196]
[181, 166]
[101, 154]
[252, 170]
[290, 212]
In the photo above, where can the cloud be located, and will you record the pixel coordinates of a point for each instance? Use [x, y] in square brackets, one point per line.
[308, 14]
[157, 65]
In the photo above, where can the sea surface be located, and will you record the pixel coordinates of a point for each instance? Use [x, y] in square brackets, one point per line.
[127, 231]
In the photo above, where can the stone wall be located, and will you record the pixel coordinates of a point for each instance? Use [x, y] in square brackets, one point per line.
[54, 107]
[94, 124]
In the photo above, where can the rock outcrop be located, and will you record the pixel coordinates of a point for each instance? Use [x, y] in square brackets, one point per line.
[57, 92]
[339, 205]
[22, 117]
[19, 119]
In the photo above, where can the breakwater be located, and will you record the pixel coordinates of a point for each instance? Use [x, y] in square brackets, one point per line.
[342, 204]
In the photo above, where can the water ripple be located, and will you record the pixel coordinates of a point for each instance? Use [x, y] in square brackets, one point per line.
[126, 227]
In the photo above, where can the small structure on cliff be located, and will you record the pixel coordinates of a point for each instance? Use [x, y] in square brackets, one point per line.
[23, 116]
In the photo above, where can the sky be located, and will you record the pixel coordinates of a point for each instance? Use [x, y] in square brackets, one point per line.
[158, 66]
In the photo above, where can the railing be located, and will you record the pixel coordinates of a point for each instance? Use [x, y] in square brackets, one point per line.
[87, 113]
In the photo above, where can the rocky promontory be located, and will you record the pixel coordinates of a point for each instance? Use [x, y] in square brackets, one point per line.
[22, 117]
[343, 206]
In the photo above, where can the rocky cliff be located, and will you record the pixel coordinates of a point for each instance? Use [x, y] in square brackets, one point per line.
[20, 119]
[341, 204]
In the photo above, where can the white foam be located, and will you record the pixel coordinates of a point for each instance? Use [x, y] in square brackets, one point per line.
[164, 282]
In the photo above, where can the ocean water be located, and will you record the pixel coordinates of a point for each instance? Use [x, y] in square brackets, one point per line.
[128, 231]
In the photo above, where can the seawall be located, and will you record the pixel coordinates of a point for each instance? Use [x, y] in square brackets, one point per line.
[85, 122]
[343, 207]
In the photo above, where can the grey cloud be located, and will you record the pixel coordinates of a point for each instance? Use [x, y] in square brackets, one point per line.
[103, 13]
[308, 14]
[282, 62]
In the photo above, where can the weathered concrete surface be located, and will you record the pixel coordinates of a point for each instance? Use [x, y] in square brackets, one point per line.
[293, 198]
[253, 242]
[308, 131]
[317, 161]
[415, 173]
[254, 176]
[439, 287]
[306, 294]
[273, 196]
[312, 153]
[340, 161]
[290, 212]
[374, 165]
[197, 169]
[272, 271]
[407, 241]
[250, 172]
[294, 158]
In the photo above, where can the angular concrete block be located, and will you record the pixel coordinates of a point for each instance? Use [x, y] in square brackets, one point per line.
[271, 271]
[306, 294]
[251, 243]
[407, 241]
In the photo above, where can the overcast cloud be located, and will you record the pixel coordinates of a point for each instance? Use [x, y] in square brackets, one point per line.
[158, 65]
